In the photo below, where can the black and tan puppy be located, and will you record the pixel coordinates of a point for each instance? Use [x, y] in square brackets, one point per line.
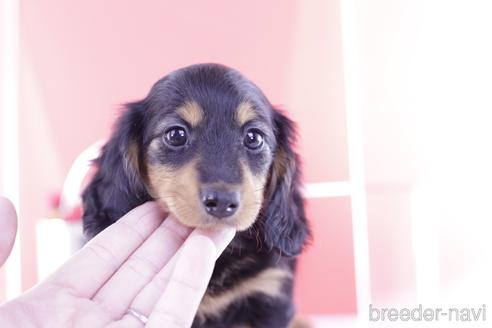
[208, 146]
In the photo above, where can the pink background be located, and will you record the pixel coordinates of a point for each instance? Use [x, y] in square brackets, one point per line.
[421, 72]
[81, 60]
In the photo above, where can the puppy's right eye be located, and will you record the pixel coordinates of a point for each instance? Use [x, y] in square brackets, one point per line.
[176, 137]
[253, 139]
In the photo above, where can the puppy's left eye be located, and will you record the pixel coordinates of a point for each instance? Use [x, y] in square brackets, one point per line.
[176, 136]
[253, 139]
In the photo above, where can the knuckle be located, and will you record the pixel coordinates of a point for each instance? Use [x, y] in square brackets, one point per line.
[104, 253]
[133, 230]
[194, 288]
[160, 282]
[142, 266]
[169, 319]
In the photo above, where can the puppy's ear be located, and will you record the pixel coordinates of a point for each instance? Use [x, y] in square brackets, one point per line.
[117, 186]
[286, 228]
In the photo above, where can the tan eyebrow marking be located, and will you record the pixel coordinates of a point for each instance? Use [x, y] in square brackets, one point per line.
[191, 112]
[245, 113]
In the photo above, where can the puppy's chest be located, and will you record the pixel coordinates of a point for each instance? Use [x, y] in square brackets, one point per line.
[239, 279]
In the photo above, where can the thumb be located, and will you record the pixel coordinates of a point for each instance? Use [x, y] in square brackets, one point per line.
[8, 228]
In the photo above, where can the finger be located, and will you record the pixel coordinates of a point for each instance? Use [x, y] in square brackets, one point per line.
[145, 302]
[94, 264]
[148, 297]
[8, 222]
[187, 284]
[118, 293]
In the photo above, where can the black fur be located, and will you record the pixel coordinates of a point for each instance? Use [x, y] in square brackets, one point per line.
[280, 230]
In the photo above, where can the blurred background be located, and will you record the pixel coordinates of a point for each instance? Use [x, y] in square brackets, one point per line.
[393, 101]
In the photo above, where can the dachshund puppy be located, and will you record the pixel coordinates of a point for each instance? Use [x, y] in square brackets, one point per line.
[209, 147]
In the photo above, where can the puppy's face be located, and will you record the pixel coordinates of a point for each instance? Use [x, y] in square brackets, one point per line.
[208, 148]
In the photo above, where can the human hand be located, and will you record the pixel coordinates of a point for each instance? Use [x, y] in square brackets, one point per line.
[8, 222]
[158, 268]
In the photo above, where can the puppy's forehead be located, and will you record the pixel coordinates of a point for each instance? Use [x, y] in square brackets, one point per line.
[194, 114]
[209, 93]
[245, 113]
[191, 112]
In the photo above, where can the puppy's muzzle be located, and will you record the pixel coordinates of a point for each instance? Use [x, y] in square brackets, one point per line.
[220, 203]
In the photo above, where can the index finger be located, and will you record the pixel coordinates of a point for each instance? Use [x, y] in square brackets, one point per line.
[187, 285]
[99, 259]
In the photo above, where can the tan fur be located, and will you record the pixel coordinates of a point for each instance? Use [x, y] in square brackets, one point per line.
[298, 322]
[234, 267]
[268, 282]
[131, 158]
[280, 170]
[244, 113]
[252, 198]
[191, 112]
[155, 145]
[178, 190]
[130, 162]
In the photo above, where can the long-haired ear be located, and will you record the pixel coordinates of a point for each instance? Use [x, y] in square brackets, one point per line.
[286, 228]
[117, 186]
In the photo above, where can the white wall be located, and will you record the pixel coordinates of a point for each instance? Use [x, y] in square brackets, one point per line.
[426, 79]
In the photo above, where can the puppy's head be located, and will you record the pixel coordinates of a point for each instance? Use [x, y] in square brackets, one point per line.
[207, 145]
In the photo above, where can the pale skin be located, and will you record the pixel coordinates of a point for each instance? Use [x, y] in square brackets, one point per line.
[144, 261]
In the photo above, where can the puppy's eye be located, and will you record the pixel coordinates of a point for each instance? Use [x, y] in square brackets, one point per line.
[253, 139]
[176, 136]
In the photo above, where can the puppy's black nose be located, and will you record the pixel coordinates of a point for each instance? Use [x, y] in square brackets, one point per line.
[220, 203]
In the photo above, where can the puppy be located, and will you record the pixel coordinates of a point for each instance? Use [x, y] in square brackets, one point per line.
[210, 148]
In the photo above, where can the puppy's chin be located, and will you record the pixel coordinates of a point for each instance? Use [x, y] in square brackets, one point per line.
[199, 219]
